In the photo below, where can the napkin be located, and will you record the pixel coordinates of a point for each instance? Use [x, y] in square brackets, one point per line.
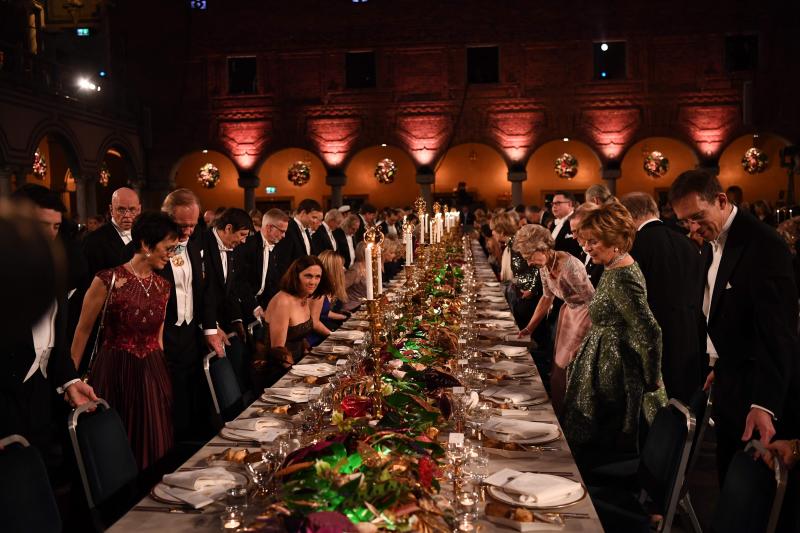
[518, 429]
[496, 323]
[318, 370]
[512, 368]
[292, 394]
[205, 478]
[494, 313]
[255, 424]
[349, 334]
[266, 435]
[510, 351]
[539, 489]
[511, 393]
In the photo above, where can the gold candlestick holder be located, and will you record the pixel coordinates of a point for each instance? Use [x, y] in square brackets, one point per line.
[376, 323]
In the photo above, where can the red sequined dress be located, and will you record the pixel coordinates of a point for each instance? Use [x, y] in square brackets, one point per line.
[130, 371]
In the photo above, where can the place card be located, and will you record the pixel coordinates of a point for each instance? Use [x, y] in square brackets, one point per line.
[456, 439]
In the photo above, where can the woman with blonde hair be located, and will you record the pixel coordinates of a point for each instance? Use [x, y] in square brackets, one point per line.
[563, 276]
[616, 375]
[325, 307]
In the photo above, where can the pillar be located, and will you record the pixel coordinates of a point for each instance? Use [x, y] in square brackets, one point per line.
[425, 178]
[80, 195]
[610, 172]
[5, 181]
[516, 175]
[709, 165]
[249, 182]
[336, 179]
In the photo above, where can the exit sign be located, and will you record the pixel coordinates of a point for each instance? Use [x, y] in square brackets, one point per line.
[82, 32]
[272, 190]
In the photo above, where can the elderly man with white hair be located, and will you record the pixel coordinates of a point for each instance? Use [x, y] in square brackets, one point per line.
[323, 238]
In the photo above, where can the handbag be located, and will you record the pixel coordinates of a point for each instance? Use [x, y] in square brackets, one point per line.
[88, 373]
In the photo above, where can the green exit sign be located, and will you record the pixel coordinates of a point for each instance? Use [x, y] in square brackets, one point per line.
[82, 32]
[272, 190]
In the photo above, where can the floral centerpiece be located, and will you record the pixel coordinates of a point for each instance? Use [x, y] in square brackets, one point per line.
[754, 161]
[566, 166]
[208, 176]
[299, 173]
[655, 164]
[385, 171]
[39, 165]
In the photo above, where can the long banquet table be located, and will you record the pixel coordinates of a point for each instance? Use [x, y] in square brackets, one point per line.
[579, 517]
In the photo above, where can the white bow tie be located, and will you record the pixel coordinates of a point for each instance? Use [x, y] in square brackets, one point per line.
[125, 234]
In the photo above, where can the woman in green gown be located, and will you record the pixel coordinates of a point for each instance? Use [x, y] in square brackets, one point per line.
[616, 376]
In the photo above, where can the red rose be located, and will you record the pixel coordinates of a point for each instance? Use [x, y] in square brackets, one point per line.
[427, 471]
[356, 406]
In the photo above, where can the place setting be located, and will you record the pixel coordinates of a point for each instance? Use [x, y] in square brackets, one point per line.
[198, 488]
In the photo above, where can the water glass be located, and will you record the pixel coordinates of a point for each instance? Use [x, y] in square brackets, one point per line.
[236, 497]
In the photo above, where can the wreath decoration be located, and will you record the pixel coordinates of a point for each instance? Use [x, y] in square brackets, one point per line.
[385, 171]
[105, 175]
[208, 176]
[566, 166]
[299, 173]
[655, 164]
[39, 165]
[755, 161]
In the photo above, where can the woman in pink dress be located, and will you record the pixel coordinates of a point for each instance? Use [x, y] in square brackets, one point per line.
[563, 276]
[129, 370]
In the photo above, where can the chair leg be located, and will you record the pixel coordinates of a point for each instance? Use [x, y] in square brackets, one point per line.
[686, 505]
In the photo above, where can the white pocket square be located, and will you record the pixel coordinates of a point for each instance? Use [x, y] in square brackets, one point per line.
[728, 286]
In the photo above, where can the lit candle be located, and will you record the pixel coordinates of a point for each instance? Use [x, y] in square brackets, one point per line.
[433, 231]
[379, 267]
[777, 215]
[409, 248]
[368, 259]
[422, 228]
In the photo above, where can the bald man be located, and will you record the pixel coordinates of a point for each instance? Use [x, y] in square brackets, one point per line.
[104, 248]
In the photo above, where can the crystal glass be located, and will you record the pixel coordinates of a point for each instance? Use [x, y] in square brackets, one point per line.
[236, 497]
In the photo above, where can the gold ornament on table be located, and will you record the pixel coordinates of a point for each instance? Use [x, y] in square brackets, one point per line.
[420, 205]
[437, 207]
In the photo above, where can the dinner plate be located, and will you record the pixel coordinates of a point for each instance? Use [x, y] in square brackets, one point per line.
[538, 400]
[551, 436]
[159, 494]
[511, 499]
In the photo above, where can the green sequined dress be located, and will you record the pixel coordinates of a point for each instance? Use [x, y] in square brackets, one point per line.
[619, 360]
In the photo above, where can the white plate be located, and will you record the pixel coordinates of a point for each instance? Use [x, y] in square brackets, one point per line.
[323, 370]
[500, 495]
[551, 436]
[538, 400]
[159, 494]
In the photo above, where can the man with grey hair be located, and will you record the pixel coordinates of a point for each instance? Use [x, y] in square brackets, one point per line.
[346, 240]
[598, 194]
[262, 273]
[323, 238]
[673, 272]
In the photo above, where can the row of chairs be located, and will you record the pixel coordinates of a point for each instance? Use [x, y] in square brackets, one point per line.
[628, 494]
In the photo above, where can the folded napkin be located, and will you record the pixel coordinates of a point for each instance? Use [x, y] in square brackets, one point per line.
[201, 479]
[492, 298]
[518, 429]
[292, 394]
[510, 351]
[539, 489]
[347, 334]
[318, 370]
[266, 435]
[510, 393]
[494, 313]
[332, 348]
[512, 368]
[256, 424]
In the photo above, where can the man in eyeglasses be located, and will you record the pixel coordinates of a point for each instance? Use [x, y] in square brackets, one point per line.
[104, 248]
[563, 207]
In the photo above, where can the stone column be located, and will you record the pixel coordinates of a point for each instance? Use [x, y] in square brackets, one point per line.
[20, 176]
[426, 178]
[610, 172]
[709, 165]
[80, 195]
[249, 182]
[336, 180]
[516, 175]
[5, 180]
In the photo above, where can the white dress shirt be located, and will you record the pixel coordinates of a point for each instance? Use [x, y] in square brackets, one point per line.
[303, 232]
[267, 250]
[330, 235]
[223, 254]
[184, 297]
[717, 248]
[559, 223]
[44, 338]
[124, 235]
[646, 222]
[352, 249]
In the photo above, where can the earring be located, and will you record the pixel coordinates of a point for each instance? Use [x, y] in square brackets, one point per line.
[616, 250]
[147, 254]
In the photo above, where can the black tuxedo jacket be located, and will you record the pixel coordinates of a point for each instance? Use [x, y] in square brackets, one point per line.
[753, 324]
[221, 299]
[342, 248]
[398, 226]
[362, 228]
[103, 249]
[566, 242]
[198, 286]
[320, 241]
[250, 257]
[291, 247]
[673, 272]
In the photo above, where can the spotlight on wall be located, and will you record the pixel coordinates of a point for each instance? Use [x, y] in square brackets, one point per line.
[86, 85]
[566, 139]
[604, 47]
[383, 145]
[205, 151]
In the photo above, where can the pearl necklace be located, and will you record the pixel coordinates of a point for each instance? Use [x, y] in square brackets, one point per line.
[139, 279]
[616, 260]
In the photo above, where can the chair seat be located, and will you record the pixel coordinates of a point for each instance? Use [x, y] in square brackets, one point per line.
[617, 474]
[620, 510]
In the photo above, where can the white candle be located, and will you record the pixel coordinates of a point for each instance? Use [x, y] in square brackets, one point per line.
[379, 267]
[409, 248]
[433, 231]
[368, 258]
[422, 229]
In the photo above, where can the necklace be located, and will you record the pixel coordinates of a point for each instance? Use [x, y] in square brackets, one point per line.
[139, 279]
[616, 260]
[553, 264]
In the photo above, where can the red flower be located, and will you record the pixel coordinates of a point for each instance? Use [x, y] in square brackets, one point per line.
[427, 471]
[356, 406]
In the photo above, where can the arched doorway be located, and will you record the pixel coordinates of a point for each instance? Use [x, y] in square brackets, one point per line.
[363, 186]
[769, 185]
[633, 176]
[481, 167]
[275, 189]
[116, 170]
[226, 193]
[543, 181]
[54, 165]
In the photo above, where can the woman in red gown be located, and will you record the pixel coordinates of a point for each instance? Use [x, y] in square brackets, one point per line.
[129, 370]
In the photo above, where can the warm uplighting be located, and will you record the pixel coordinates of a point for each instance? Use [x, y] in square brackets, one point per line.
[383, 145]
[566, 139]
[205, 151]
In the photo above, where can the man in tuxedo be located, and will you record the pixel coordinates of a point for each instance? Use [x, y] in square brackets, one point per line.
[261, 275]
[182, 323]
[598, 194]
[297, 242]
[673, 272]
[750, 304]
[563, 207]
[594, 271]
[389, 224]
[37, 361]
[367, 214]
[104, 247]
[222, 311]
[345, 237]
[323, 238]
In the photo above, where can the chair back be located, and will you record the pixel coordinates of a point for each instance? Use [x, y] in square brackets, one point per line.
[752, 494]
[102, 451]
[664, 457]
[27, 502]
[700, 406]
[225, 391]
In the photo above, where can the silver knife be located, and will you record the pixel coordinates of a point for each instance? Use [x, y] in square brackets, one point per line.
[174, 510]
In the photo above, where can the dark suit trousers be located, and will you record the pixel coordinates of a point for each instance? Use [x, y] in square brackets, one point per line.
[191, 399]
[26, 410]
